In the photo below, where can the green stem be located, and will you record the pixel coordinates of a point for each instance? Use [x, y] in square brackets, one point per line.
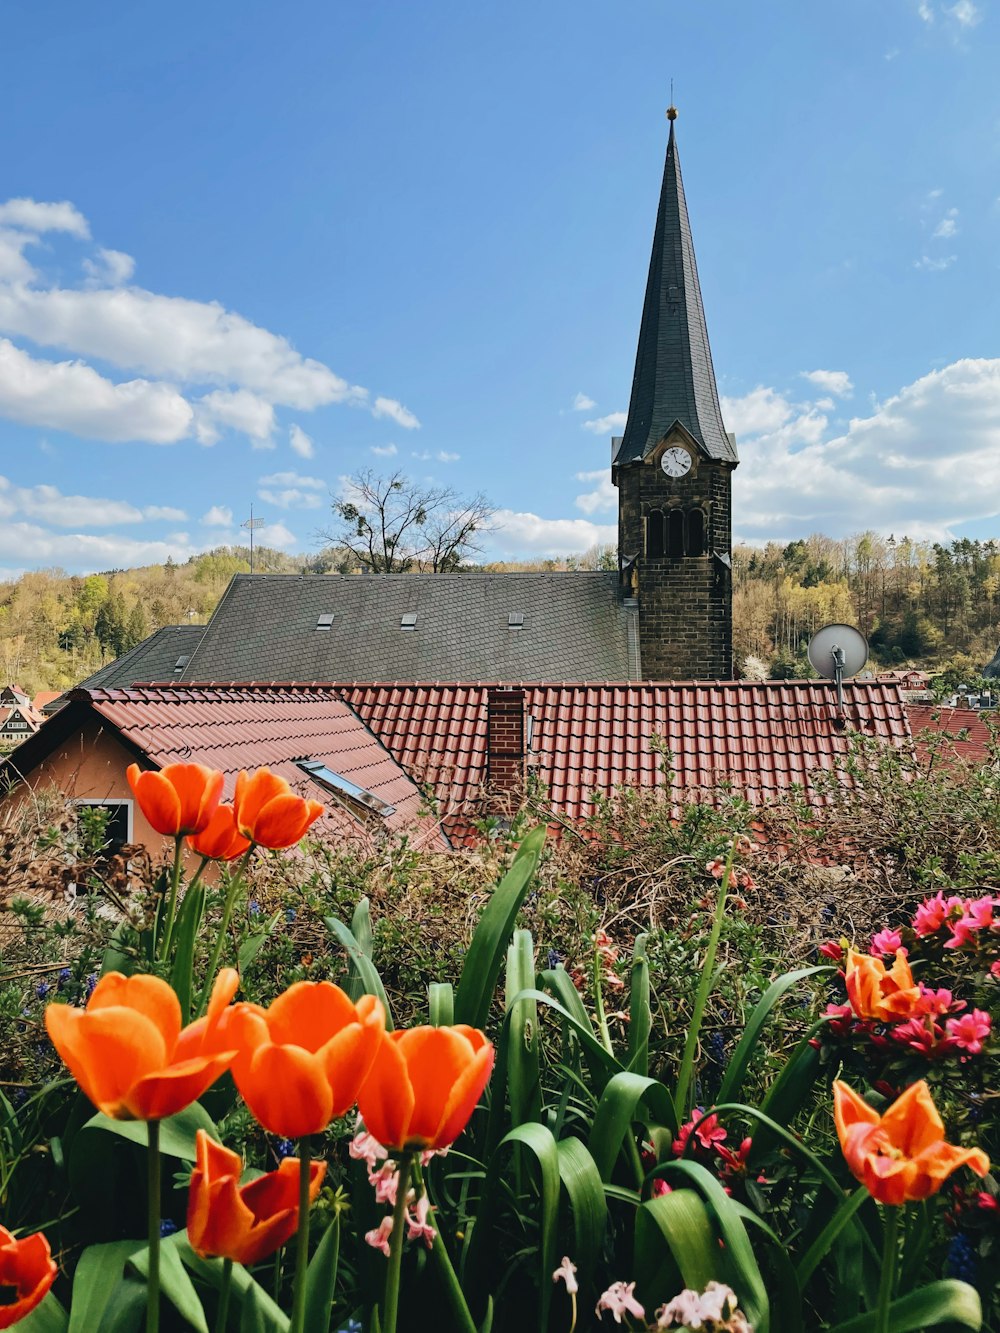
[453, 1288]
[602, 1022]
[227, 1282]
[685, 1079]
[298, 1323]
[227, 912]
[153, 1192]
[890, 1222]
[175, 880]
[391, 1306]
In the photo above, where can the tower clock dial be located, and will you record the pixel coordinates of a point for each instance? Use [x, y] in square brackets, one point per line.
[676, 461]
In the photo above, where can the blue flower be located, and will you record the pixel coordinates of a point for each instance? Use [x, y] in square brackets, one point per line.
[90, 983]
[42, 989]
[555, 958]
[961, 1261]
[64, 976]
[352, 1326]
[19, 1096]
[290, 914]
[254, 906]
[285, 1148]
[168, 1226]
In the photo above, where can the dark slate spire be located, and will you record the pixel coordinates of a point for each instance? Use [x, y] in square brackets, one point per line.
[674, 380]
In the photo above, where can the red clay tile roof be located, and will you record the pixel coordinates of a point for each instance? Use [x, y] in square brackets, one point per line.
[762, 738]
[230, 728]
[967, 735]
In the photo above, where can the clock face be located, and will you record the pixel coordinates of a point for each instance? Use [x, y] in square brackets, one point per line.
[676, 461]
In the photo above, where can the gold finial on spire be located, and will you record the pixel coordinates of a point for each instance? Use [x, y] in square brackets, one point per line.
[671, 112]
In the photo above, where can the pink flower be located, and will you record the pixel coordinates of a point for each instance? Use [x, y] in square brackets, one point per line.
[931, 915]
[566, 1272]
[995, 969]
[970, 1030]
[887, 941]
[986, 1201]
[842, 1019]
[379, 1238]
[708, 1133]
[715, 867]
[364, 1147]
[938, 1001]
[417, 1227]
[659, 1187]
[619, 1300]
[922, 1035]
[831, 949]
[977, 916]
[385, 1182]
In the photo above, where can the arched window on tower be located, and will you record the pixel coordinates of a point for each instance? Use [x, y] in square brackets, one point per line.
[696, 532]
[655, 534]
[675, 534]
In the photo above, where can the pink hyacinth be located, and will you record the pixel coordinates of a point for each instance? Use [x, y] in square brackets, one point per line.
[566, 1272]
[618, 1299]
[379, 1238]
[417, 1226]
[969, 1031]
[364, 1147]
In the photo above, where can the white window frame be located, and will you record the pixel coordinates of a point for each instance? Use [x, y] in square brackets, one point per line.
[112, 800]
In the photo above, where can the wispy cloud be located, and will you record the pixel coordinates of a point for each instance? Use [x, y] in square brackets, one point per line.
[837, 382]
[384, 450]
[581, 403]
[300, 442]
[441, 456]
[931, 265]
[388, 407]
[609, 425]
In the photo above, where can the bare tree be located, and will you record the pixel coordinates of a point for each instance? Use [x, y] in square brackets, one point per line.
[392, 524]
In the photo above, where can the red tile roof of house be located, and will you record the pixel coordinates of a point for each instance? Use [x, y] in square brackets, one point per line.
[44, 697]
[236, 727]
[966, 733]
[761, 737]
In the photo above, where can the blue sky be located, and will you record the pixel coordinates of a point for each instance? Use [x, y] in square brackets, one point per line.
[248, 249]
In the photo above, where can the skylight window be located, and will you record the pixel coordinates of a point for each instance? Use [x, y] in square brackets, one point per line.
[326, 621]
[334, 782]
[515, 620]
[408, 620]
[181, 663]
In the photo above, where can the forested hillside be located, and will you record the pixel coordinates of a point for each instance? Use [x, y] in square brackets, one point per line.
[920, 603]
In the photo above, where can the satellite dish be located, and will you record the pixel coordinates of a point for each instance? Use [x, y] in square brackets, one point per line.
[838, 651]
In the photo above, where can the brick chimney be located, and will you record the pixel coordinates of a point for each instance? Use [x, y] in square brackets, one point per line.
[505, 747]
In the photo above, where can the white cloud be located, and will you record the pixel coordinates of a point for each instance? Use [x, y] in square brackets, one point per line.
[612, 424]
[948, 225]
[238, 409]
[28, 543]
[837, 382]
[289, 490]
[427, 456]
[924, 463]
[756, 412]
[525, 534]
[930, 265]
[111, 268]
[965, 13]
[32, 216]
[384, 450]
[388, 407]
[219, 516]
[925, 11]
[163, 513]
[603, 496]
[277, 536]
[581, 403]
[300, 442]
[72, 396]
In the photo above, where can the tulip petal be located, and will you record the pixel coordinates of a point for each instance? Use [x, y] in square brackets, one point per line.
[347, 1059]
[309, 1013]
[148, 995]
[286, 1090]
[912, 1122]
[170, 1090]
[850, 1109]
[283, 821]
[464, 1098]
[106, 1052]
[158, 801]
[253, 791]
[27, 1269]
[385, 1099]
[435, 1060]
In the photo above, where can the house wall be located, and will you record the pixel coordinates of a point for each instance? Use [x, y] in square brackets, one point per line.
[89, 765]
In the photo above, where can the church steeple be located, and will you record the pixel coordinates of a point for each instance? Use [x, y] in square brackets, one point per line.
[674, 382]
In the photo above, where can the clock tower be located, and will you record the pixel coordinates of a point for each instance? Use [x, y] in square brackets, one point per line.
[673, 466]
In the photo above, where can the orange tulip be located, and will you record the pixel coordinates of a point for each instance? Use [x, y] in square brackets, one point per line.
[901, 1155]
[27, 1271]
[879, 993]
[220, 840]
[179, 799]
[269, 813]
[303, 1059]
[127, 1050]
[424, 1086]
[243, 1223]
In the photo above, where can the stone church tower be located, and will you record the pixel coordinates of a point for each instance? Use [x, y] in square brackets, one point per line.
[673, 466]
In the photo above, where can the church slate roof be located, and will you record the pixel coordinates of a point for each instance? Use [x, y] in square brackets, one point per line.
[573, 626]
[674, 380]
